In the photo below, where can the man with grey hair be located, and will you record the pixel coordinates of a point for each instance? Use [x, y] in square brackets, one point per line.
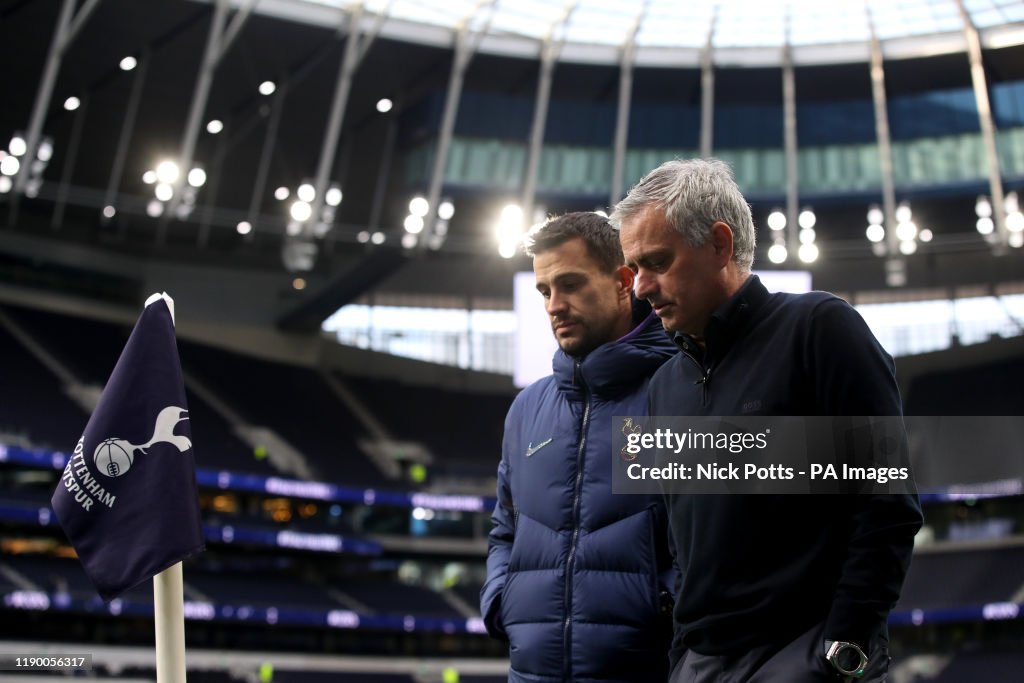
[773, 589]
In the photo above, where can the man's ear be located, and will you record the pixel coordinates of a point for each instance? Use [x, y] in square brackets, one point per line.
[625, 278]
[722, 243]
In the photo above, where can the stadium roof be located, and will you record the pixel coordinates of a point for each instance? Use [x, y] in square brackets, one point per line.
[673, 33]
[93, 191]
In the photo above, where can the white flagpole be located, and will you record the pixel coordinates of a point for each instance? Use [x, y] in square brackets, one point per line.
[169, 615]
[169, 600]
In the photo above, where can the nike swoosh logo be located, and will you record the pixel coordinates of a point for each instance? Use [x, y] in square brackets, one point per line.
[531, 449]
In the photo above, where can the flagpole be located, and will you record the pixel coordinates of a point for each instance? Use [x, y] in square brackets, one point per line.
[169, 615]
[169, 600]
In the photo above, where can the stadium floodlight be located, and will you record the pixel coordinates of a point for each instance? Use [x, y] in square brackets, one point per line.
[903, 213]
[164, 191]
[777, 220]
[983, 207]
[418, 206]
[333, 195]
[510, 225]
[17, 145]
[301, 211]
[507, 249]
[777, 253]
[1015, 221]
[10, 165]
[808, 253]
[45, 150]
[413, 224]
[197, 177]
[906, 231]
[167, 172]
[1010, 203]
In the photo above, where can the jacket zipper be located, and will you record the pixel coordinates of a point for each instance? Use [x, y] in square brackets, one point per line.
[704, 381]
[577, 495]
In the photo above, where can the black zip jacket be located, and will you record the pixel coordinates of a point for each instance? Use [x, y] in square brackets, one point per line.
[760, 569]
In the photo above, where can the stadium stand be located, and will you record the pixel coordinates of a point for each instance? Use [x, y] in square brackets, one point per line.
[963, 577]
[460, 430]
[41, 411]
[90, 353]
[980, 666]
[296, 402]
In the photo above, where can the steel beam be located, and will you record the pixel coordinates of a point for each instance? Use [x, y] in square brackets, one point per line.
[68, 25]
[467, 41]
[790, 147]
[57, 220]
[707, 91]
[988, 128]
[895, 262]
[127, 130]
[622, 114]
[339, 101]
[549, 50]
[217, 43]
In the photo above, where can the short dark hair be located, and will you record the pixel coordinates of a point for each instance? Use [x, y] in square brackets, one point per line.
[597, 233]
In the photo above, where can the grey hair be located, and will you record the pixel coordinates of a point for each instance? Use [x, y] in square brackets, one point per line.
[694, 194]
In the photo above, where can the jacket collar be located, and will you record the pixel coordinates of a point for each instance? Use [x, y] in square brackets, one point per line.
[617, 367]
[727, 321]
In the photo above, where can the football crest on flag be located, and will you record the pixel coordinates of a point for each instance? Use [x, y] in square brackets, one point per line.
[114, 456]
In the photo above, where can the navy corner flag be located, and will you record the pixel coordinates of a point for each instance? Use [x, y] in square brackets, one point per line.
[127, 498]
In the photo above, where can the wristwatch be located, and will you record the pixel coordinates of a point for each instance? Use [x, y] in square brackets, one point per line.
[847, 658]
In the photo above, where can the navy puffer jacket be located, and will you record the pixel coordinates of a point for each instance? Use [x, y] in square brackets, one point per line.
[578, 579]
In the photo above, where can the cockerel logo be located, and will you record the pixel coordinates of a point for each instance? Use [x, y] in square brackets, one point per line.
[113, 457]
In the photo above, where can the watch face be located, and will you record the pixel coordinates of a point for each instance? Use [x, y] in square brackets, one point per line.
[848, 659]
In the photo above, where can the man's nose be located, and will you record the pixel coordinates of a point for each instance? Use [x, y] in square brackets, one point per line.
[644, 284]
[556, 304]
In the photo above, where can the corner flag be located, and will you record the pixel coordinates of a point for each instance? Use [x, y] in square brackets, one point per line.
[127, 499]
